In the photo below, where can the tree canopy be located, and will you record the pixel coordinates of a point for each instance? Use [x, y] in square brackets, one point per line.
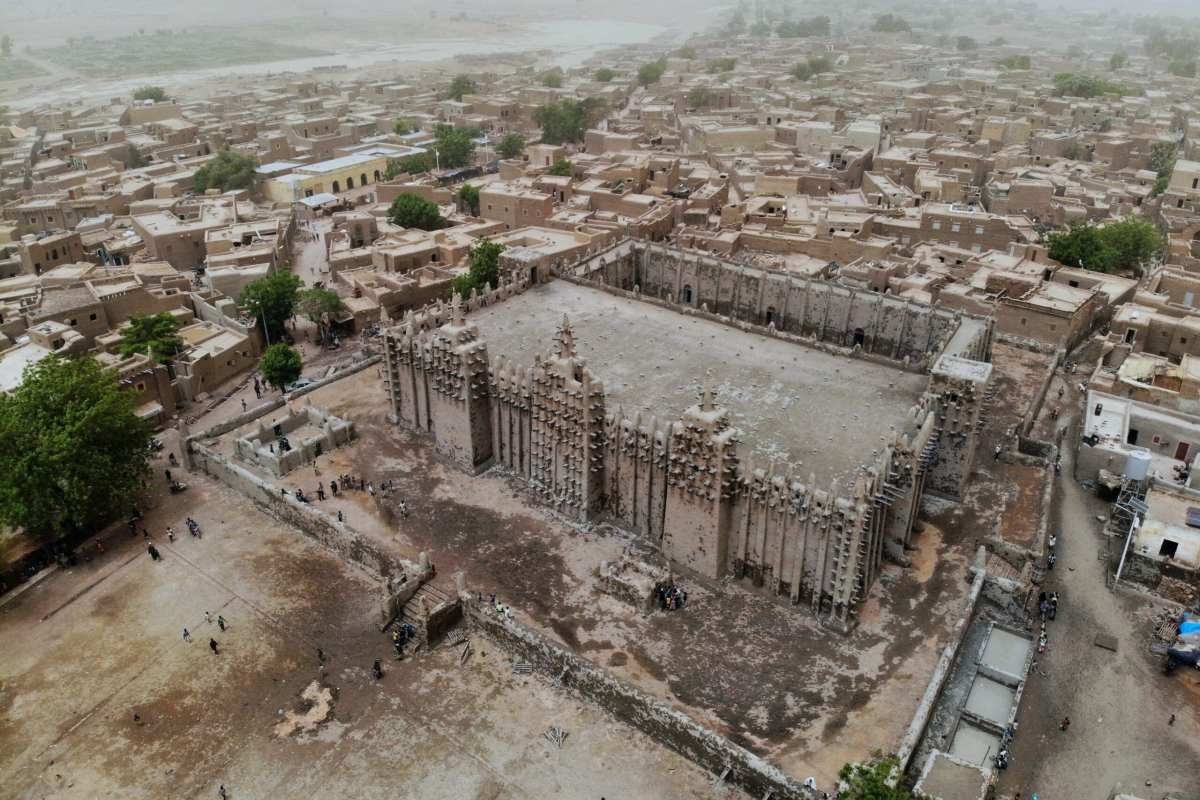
[319, 305]
[553, 78]
[1118, 60]
[280, 365]
[815, 65]
[155, 93]
[157, 335]
[459, 86]
[468, 195]
[561, 168]
[698, 97]
[1015, 62]
[890, 23]
[651, 72]
[403, 126]
[413, 211]
[1073, 84]
[227, 171]
[272, 300]
[966, 43]
[872, 782]
[1118, 245]
[455, 146]
[720, 64]
[564, 121]
[687, 51]
[803, 28]
[73, 453]
[484, 271]
[603, 75]
[510, 145]
[409, 165]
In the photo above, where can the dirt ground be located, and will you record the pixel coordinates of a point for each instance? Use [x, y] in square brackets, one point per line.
[763, 673]
[87, 649]
[1119, 703]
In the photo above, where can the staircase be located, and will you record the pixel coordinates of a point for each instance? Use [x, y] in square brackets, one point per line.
[416, 612]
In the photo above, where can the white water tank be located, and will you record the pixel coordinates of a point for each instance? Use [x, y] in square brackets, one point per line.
[1137, 465]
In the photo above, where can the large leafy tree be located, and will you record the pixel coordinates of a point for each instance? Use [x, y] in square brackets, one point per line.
[565, 121]
[409, 165]
[468, 195]
[272, 300]
[413, 211]
[155, 93]
[73, 453]
[510, 145]
[890, 23]
[603, 75]
[280, 365]
[1123, 244]
[484, 271]
[651, 72]
[319, 305]
[154, 334]
[561, 168]
[455, 146]
[459, 86]
[227, 171]
[872, 782]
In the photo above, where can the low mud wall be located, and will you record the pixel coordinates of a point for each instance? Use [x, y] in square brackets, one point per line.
[653, 717]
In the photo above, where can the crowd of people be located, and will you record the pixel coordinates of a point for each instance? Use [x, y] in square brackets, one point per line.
[671, 597]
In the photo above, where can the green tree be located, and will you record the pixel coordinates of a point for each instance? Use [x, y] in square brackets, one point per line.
[698, 97]
[651, 72]
[815, 65]
[484, 270]
[687, 51]
[872, 782]
[1118, 60]
[155, 93]
[157, 335]
[1072, 84]
[511, 145]
[966, 43]
[1082, 246]
[804, 28]
[1160, 185]
[564, 121]
[561, 168]
[459, 86]
[1182, 67]
[720, 65]
[73, 452]
[402, 126]
[412, 211]
[603, 75]
[455, 146]
[890, 23]
[1162, 158]
[1134, 242]
[468, 195]
[229, 170]
[1118, 245]
[409, 165]
[271, 301]
[319, 306]
[280, 365]
[553, 78]
[1015, 62]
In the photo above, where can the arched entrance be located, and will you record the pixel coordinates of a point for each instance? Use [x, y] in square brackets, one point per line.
[337, 187]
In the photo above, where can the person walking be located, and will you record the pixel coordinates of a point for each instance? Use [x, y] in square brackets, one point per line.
[333, 488]
[221, 793]
[153, 551]
[168, 474]
[996, 453]
[243, 405]
[221, 623]
[320, 492]
[1170, 722]
[1066, 723]
[187, 637]
[377, 669]
[212, 645]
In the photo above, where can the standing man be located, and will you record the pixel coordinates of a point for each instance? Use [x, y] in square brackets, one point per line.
[212, 645]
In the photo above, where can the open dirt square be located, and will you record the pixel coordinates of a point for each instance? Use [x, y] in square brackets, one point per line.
[85, 650]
